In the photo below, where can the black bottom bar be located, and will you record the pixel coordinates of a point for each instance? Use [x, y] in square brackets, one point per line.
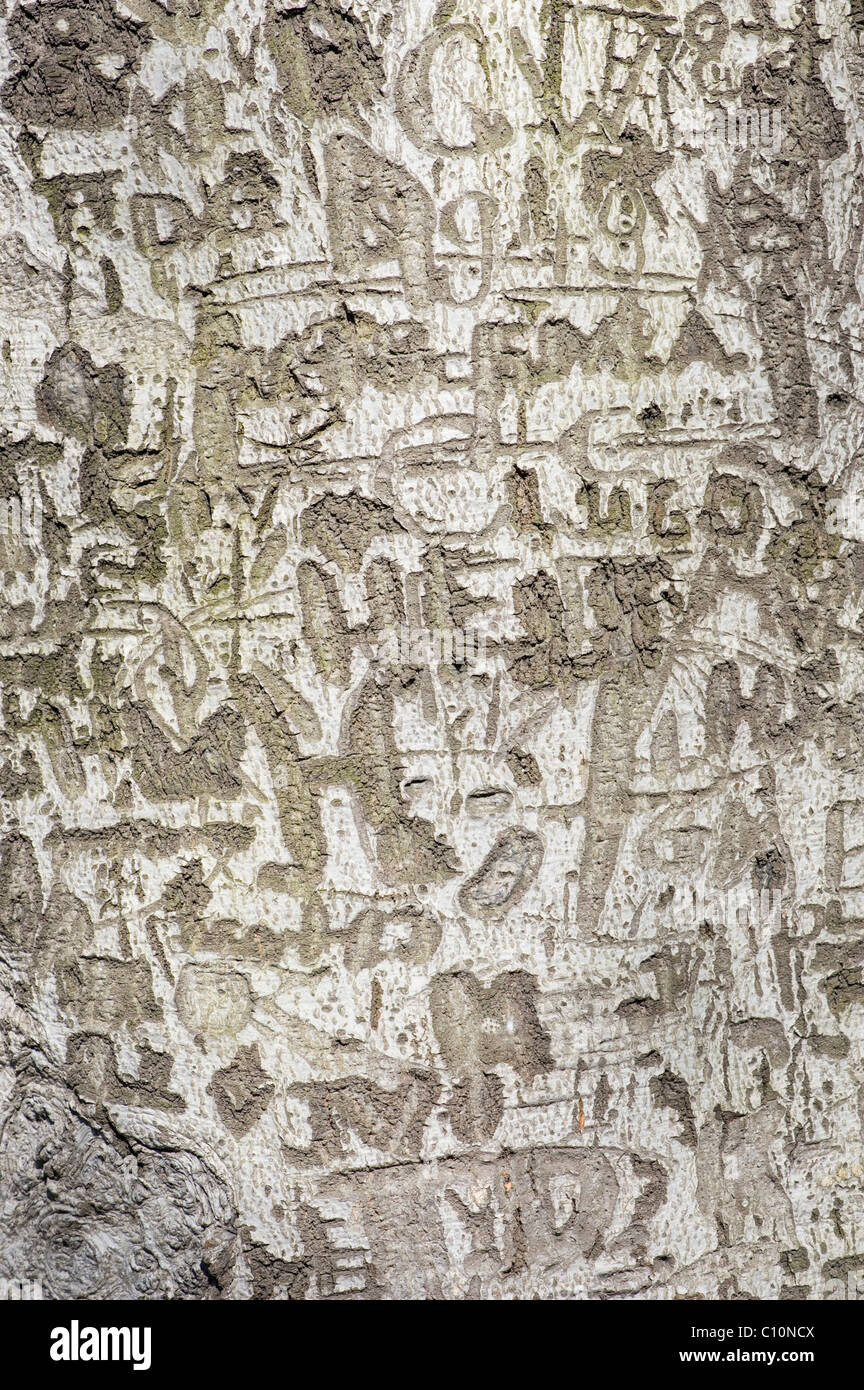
[610, 1339]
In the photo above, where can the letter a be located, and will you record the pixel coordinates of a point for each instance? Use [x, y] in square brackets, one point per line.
[60, 1344]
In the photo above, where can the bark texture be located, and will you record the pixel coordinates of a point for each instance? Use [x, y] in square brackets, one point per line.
[431, 648]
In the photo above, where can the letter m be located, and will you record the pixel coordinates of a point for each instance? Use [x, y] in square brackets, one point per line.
[747, 128]
[112, 1336]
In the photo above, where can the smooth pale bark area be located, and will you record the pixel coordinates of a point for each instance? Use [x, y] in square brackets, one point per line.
[431, 649]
